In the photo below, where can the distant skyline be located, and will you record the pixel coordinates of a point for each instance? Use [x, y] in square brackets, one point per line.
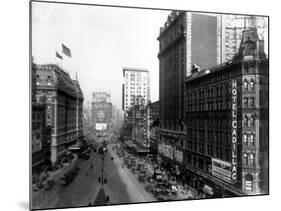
[102, 40]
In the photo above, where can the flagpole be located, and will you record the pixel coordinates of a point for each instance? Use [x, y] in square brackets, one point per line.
[61, 54]
[56, 58]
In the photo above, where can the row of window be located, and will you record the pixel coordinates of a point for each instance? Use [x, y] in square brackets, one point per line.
[133, 76]
[249, 159]
[202, 93]
[249, 102]
[214, 136]
[249, 84]
[249, 120]
[134, 96]
[209, 106]
[133, 87]
[133, 84]
[36, 147]
[249, 67]
[249, 139]
[213, 151]
[217, 91]
[218, 121]
[36, 125]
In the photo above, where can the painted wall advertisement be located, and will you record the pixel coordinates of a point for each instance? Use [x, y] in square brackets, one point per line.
[168, 151]
[221, 169]
[179, 155]
[234, 131]
[101, 126]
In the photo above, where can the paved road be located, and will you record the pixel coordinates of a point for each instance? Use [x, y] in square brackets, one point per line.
[122, 186]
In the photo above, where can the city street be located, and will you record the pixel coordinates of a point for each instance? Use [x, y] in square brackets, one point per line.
[122, 186]
[161, 121]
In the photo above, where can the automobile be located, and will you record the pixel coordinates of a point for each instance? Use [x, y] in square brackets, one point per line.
[83, 156]
[69, 176]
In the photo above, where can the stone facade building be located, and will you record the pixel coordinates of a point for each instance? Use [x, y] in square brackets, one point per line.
[63, 100]
[227, 123]
[185, 40]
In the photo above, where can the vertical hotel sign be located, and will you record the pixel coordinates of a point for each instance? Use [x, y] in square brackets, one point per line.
[234, 131]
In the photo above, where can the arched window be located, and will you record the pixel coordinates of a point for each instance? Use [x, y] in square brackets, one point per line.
[252, 121]
[245, 84]
[245, 156]
[245, 120]
[245, 138]
[252, 102]
[245, 101]
[251, 159]
[249, 182]
[252, 84]
[252, 139]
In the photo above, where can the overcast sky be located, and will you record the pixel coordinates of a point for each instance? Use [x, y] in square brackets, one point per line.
[102, 41]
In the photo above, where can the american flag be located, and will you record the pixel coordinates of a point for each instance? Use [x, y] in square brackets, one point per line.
[66, 50]
[58, 55]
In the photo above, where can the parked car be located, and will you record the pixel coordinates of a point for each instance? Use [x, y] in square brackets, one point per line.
[69, 176]
[84, 156]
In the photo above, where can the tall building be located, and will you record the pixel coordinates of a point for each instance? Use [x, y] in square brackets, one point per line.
[186, 40]
[40, 139]
[153, 126]
[183, 145]
[79, 110]
[226, 146]
[136, 87]
[230, 30]
[101, 110]
[63, 99]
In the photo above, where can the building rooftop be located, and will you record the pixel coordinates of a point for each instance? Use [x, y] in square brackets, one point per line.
[134, 69]
[170, 19]
[52, 76]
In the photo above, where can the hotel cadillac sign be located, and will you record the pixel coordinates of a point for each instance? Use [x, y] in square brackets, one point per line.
[234, 131]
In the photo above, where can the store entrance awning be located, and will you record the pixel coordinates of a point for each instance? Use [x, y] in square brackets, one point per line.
[74, 147]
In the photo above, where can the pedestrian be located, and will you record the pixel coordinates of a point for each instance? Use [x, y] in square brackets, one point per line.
[107, 199]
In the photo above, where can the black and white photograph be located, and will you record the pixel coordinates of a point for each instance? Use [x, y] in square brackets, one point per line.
[141, 105]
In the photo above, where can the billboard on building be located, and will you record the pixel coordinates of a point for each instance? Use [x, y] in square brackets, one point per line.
[168, 151]
[179, 155]
[101, 97]
[101, 116]
[221, 169]
[101, 126]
